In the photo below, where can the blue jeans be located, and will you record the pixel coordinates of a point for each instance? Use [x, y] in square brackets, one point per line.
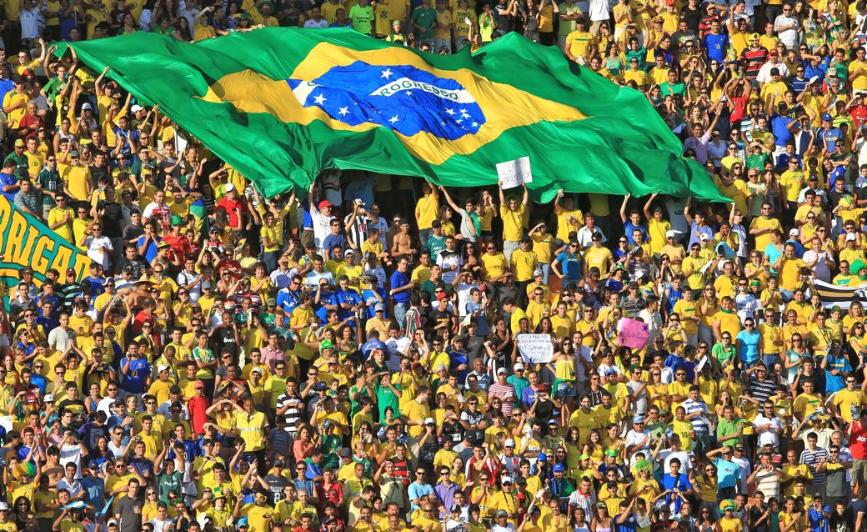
[508, 247]
[400, 309]
[770, 360]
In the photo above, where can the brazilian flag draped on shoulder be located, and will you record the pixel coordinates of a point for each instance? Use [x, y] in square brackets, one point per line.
[281, 104]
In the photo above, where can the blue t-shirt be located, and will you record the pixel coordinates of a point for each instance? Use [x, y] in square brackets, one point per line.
[570, 265]
[834, 383]
[399, 280]
[151, 250]
[780, 129]
[748, 346]
[629, 227]
[669, 482]
[727, 472]
[716, 46]
[832, 136]
[5, 180]
[94, 489]
[135, 379]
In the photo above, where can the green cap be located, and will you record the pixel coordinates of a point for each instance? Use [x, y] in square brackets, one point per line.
[326, 344]
[176, 220]
[610, 452]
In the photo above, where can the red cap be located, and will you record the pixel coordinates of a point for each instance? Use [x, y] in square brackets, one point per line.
[325, 203]
[441, 296]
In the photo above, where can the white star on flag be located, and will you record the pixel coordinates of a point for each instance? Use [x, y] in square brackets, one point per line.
[319, 99]
[393, 119]
[475, 124]
[343, 111]
[408, 93]
[387, 73]
[450, 111]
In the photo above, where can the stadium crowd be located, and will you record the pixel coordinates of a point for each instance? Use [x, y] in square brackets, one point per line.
[378, 353]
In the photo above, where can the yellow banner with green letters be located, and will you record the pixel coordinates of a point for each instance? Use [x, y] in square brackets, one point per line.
[27, 242]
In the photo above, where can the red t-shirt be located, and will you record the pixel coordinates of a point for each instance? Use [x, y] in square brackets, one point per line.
[858, 441]
[233, 208]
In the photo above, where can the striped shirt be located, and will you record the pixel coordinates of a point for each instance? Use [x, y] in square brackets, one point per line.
[811, 459]
[762, 389]
[698, 423]
[506, 393]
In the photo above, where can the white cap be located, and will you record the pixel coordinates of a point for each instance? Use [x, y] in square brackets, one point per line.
[256, 370]
[794, 232]
[112, 521]
[506, 478]
[671, 233]
[704, 237]
[48, 398]
[501, 371]
[229, 187]
[429, 421]
[851, 236]
[4, 506]
[518, 366]
[86, 106]
[162, 367]
[509, 443]
[136, 108]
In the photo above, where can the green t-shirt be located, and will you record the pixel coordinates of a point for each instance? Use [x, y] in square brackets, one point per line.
[424, 18]
[728, 427]
[667, 89]
[385, 397]
[567, 26]
[362, 18]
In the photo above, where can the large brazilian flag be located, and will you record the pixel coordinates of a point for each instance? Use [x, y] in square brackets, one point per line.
[282, 104]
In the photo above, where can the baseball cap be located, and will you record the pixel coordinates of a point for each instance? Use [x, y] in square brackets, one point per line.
[558, 468]
[826, 117]
[794, 232]
[378, 307]
[754, 36]
[638, 419]
[136, 108]
[503, 513]
[325, 203]
[518, 366]
[229, 187]
[511, 443]
[86, 106]
[501, 371]
[243, 522]
[538, 273]
[19, 143]
[112, 522]
[441, 296]
[429, 421]
[326, 344]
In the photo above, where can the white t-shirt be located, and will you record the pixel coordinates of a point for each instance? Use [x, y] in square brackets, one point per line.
[599, 10]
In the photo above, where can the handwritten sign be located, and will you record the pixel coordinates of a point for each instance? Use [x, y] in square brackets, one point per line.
[535, 348]
[514, 173]
[633, 333]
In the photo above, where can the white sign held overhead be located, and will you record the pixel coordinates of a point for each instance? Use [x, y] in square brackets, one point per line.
[514, 173]
[535, 348]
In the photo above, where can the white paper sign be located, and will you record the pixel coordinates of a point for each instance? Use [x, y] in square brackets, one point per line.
[535, 348]
[514, 173]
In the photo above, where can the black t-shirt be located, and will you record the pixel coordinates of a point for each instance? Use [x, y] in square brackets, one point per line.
[130, 513]
[112, 219]
[692, 17]
[439, 317]
[276, 483]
